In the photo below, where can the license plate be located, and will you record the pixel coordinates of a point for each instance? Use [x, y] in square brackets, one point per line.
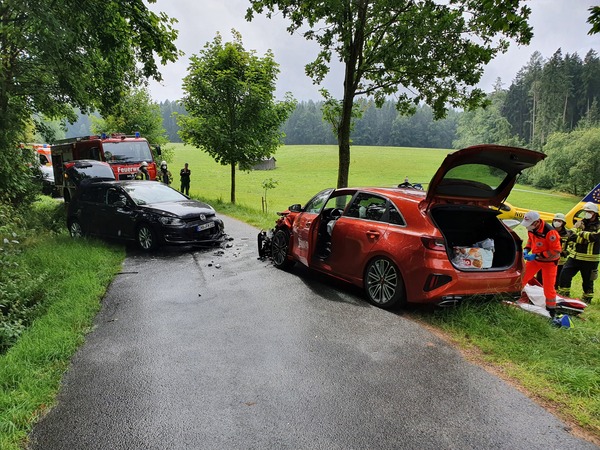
[205, 226]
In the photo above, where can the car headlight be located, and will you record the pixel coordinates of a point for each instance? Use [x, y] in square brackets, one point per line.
[166, 220]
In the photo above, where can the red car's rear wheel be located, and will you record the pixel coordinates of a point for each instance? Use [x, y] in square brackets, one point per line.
[383, 283]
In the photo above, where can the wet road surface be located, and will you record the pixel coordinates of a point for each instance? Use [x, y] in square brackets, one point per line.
[214, 349]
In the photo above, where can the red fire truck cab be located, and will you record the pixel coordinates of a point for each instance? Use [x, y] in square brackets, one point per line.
[124, 153]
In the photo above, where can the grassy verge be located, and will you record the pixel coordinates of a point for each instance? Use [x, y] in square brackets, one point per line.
[76, 274]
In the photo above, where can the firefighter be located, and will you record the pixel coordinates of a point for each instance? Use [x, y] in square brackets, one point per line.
[584, 254]
[542, 253]
[559, 223]
[142, 173]
[164, 175]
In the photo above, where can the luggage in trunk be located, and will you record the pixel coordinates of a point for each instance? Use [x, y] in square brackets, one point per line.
[466, 227]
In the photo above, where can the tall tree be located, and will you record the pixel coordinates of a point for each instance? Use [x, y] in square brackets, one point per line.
[229, 98]
[83, 53]
[436, 50]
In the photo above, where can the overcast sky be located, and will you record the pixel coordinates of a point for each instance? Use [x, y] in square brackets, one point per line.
[556, 24]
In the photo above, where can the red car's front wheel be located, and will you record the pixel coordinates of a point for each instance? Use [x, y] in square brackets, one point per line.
[383, 283]
[280, 245]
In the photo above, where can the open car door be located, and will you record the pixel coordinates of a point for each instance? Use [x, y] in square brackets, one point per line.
[304, 229]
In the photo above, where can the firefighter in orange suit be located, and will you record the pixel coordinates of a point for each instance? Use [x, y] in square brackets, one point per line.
[542, 253]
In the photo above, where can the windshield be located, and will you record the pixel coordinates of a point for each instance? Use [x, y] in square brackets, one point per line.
[147, 193]
[127, 152]
[472, 180]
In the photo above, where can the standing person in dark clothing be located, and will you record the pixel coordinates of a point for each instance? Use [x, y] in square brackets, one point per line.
[185, 179]
[584, 254]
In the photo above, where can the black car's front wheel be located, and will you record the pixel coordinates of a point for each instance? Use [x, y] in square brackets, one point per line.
[383, 283]
[146, 238]
[280, 245]
[75, 229]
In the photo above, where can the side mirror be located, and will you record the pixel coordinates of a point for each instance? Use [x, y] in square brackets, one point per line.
[296, 207]
[158, 150]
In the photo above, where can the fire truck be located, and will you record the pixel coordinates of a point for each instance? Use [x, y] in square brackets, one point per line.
[124, 153]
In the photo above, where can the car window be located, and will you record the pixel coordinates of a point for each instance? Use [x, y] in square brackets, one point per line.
[94, 194]
[395, 217]
[114, 195]
[315, 204]
[367, 206]
[338, 202]
[474, 180]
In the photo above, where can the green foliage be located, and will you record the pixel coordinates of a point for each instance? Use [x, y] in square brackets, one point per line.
[229, 97]
[573, 162]
[436, 51]
[118, 45]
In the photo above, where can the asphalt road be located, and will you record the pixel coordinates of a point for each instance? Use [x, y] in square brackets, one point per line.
[214, 349]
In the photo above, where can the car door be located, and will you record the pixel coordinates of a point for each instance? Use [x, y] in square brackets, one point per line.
[356, 234]
[117, 216]
[87, 206]
[305, 226]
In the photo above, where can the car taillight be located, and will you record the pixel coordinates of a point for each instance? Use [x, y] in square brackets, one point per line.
[433, 243]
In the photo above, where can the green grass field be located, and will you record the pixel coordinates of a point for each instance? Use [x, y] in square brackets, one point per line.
[302, 171]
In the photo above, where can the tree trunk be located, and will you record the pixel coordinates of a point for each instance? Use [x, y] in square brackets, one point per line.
[233, 183]
[351, 77]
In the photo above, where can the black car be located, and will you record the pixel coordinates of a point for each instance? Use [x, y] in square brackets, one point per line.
[147, 212]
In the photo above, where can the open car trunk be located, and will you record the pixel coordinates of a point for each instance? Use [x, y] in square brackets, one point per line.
[469, 231]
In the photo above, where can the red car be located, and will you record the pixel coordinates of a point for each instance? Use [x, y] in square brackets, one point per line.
[403, 244]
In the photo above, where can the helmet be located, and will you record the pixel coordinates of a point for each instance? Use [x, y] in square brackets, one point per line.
[560, 216]
[144, 164]
[591, 207]
[163, 163]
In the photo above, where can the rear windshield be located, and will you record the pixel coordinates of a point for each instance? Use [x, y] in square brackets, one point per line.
[148, 193]
[127, 152]
[91, 171]
[472, 180]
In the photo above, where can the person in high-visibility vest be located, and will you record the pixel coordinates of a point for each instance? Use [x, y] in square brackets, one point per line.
[584, 254]
[542, 253]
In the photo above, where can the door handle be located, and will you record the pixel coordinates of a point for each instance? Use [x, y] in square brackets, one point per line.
[307, 224]
[373, 234]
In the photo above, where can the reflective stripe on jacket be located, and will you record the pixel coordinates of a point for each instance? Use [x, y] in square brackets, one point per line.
[587, 241]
